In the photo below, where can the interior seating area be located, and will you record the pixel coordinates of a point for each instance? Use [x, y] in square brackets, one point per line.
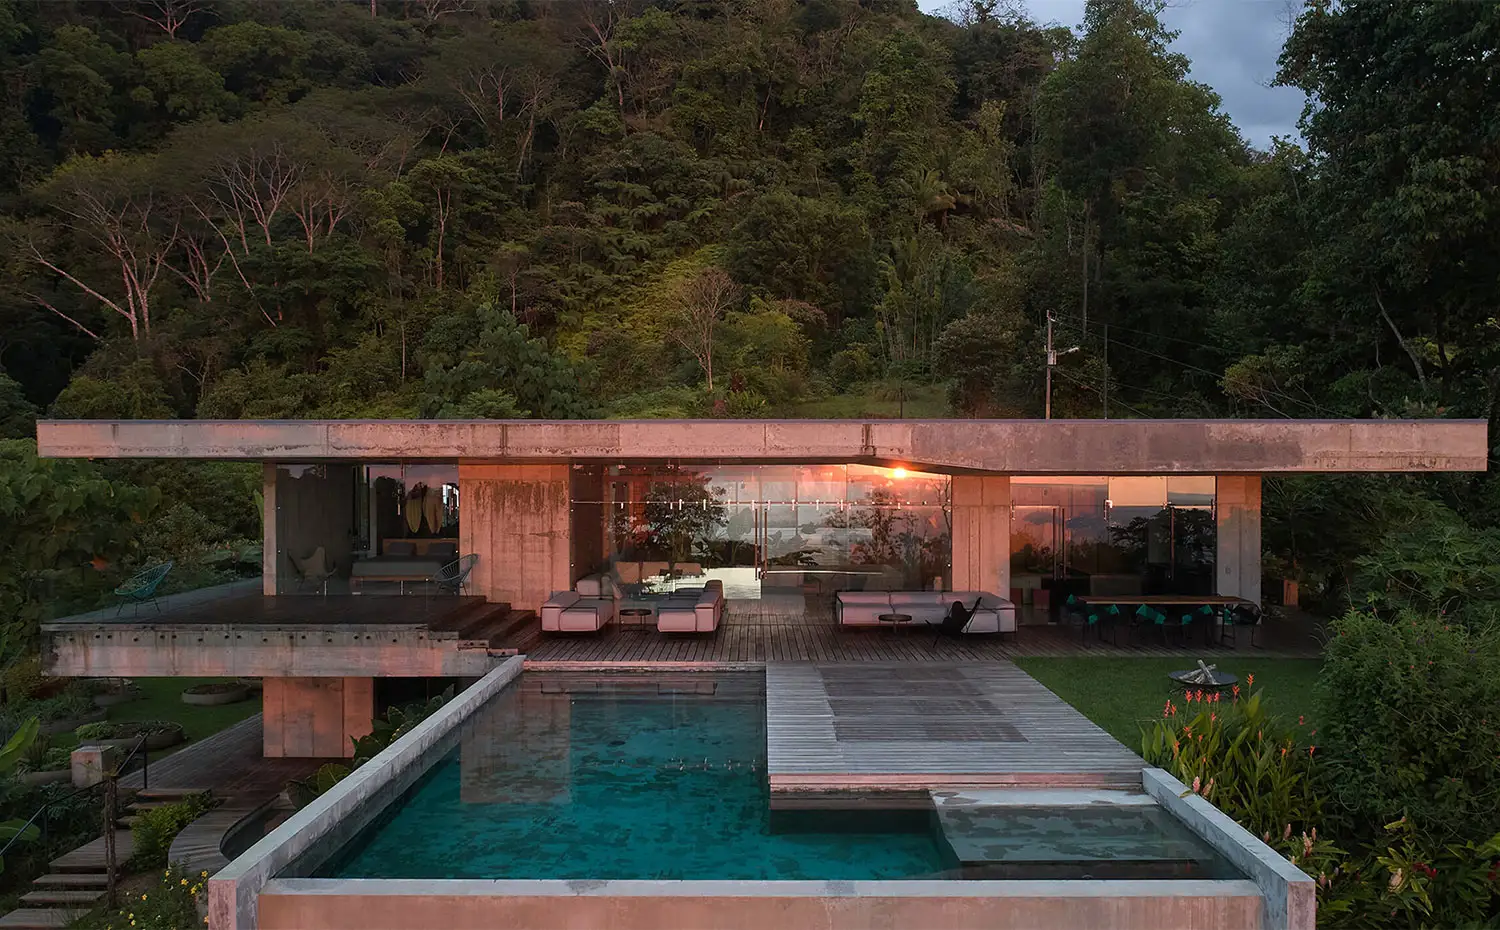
[995, 614]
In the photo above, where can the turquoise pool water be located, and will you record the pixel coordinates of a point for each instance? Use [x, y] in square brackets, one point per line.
[625, 778]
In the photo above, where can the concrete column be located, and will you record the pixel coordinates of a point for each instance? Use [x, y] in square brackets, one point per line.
[1238, 558]
[316, 718]
[981, 533]
[515, 517]
[269, 547]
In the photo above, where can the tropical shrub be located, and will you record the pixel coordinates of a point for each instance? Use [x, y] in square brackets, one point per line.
[173, 904]
[1411, 727]
[1256, 767]
[154, 832]
[128, 729]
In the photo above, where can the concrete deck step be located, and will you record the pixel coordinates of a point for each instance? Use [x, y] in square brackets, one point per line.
[63, 897]
[72, 880]
[40, 918]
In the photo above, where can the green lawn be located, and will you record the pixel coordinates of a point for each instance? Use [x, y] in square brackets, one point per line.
[161, 699]
[1121, 693]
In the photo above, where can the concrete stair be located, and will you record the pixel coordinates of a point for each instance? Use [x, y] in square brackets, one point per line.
[40, 918]
[71, 880]
[78, 879]
[65, 897]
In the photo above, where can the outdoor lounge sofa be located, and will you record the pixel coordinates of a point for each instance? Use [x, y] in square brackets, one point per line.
[863, 608]
[594, 601]
[700, 613]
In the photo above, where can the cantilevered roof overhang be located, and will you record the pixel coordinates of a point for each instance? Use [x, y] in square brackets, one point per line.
[1016, 447]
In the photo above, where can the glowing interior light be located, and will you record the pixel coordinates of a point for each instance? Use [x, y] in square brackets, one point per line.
[898, 472]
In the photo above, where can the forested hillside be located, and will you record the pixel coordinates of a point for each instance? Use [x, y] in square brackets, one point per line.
[224, 208]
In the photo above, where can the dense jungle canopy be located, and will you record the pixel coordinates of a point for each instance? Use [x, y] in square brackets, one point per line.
[389, 208]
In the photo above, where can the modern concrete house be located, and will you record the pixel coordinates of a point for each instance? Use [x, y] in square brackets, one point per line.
[783, 514]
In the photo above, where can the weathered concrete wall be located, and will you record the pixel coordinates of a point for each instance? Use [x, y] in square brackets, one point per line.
[314, 506]
[981, 534]
[1238, 556]
[1022, 447]
[316, 718]
[140, 650]
[340, 813]
[516, 518]
[334, 904]
[1289, 894]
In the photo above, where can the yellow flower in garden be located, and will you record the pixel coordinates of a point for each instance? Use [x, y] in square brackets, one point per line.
[184, 881]
[204, 874]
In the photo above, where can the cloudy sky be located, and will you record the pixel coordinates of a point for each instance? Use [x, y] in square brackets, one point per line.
[1233, 45]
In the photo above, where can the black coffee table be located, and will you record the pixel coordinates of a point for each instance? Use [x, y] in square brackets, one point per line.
[639, 616]
[895, 620]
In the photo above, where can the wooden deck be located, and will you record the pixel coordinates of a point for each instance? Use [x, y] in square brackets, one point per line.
[756, 632]
[852, 727]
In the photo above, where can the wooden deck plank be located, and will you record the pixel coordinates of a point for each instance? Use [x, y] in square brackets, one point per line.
[755, 632]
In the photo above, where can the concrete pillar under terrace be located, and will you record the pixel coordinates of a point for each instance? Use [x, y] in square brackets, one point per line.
[316, 718]
[1238, 557]
[981, 533]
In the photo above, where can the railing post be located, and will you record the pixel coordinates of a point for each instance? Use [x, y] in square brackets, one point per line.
[110, 783]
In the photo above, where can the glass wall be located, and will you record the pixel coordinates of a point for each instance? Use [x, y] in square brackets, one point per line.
[802, 528]
[1121, 535]
[415, 505]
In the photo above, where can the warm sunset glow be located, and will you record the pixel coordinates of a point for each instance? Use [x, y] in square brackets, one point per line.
[898, 473]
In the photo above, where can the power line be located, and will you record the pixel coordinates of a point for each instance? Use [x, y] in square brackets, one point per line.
[1312, 405]
[1095, 389]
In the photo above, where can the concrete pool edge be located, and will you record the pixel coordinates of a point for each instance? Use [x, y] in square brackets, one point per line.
[1290, 895]
[460, 904]
[233, 892]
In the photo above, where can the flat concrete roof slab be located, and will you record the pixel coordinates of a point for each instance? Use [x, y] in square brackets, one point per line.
[1018, 447]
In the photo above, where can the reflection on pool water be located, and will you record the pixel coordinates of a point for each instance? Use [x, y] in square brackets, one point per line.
[648, 777]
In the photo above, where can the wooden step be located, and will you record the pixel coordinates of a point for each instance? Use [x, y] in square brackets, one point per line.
[480, 622]
[40, 918]
[452, 622]
[73, 880]
[167, 794]
[63, 897]
[128, 822]
[151, 805]
[90, 856]
[499, 632]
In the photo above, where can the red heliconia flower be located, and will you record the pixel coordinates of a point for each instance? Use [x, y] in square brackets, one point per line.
[1301, 721]
[1236, 690]
[1212, 717]
[1311, 750]
[1250, 680]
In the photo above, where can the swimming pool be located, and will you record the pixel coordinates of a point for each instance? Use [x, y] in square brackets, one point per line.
[621, 777]
[611, 777]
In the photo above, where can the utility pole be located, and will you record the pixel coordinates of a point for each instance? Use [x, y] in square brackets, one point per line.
[1106, 369]
[1051, 360]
